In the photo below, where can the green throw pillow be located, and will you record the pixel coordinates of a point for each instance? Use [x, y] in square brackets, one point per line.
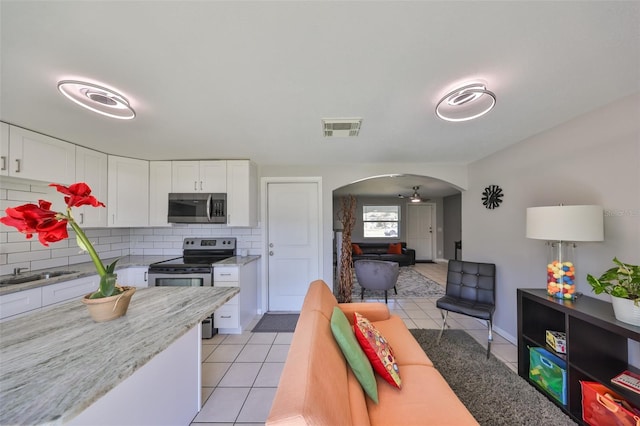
[358, 361]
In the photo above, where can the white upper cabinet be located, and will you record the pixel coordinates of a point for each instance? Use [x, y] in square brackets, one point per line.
[128, 200]
[242, 193]
[159, 189]
[199, 176]
[4, 149]
[91, 168]
[39, 157]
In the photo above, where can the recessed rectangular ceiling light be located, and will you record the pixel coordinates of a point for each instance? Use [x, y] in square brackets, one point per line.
[341, 127]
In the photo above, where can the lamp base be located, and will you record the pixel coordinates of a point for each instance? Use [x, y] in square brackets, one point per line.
[561, 272]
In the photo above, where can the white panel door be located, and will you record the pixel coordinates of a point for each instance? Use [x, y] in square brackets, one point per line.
[420, 230]
[293, 238]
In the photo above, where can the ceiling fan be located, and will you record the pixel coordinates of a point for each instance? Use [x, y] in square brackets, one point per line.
[415, 197]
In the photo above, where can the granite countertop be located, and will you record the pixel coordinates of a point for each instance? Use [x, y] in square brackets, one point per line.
[56, 363]
[79, 270]
[237, 261]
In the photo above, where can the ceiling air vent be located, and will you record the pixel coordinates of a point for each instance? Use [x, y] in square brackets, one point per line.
[341, 127]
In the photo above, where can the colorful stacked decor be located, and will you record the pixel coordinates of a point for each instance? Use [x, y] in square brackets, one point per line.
[561, 278]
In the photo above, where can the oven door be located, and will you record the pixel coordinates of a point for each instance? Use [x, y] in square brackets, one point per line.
[180, 279]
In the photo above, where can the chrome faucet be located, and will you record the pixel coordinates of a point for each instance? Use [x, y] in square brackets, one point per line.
[16, 271]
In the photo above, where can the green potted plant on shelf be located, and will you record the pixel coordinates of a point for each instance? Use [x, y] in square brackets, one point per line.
[622, 283]
[110, 300]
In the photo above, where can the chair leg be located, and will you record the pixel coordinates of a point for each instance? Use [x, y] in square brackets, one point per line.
[362, 294]
[490, 338]
[394, 289]
[444, 323]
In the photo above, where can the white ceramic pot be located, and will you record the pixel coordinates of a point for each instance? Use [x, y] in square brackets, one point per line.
[626, 311]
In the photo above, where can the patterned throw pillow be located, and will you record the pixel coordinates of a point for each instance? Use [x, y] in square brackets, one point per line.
[343, 333]
[394, 248]
[356, 249]
[378, 350]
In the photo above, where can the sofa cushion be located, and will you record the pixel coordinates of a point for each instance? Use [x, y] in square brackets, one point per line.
[353, 353]
[425, 399]
[394, 248]
[406, 349]
[313, 386]
[356, 249]
[378, 350]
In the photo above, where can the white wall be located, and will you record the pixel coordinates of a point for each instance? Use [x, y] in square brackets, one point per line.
[593, 159]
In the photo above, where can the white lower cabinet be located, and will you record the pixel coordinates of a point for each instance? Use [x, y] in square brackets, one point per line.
[136, 276]
[65, 291]
[238, 312]
[13, 304]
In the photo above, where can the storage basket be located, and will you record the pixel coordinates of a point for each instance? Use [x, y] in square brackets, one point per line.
[598, 410]
[549, 372]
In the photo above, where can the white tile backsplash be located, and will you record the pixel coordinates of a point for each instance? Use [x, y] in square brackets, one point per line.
[16, 251]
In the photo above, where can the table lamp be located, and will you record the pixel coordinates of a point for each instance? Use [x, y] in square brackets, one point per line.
[561, 226]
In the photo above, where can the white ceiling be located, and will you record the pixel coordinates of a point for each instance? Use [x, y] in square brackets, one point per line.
[212, 79]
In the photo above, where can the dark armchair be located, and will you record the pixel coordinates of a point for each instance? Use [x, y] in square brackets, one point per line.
[470, 291]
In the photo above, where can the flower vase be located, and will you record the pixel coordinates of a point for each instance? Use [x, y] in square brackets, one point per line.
[625, 310]
[109, 308]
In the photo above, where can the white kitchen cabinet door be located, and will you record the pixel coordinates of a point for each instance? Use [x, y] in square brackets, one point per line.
[136, 276]
[185, 176]
[91, 168]
[4, 149]
[128, 200]
[67, 290]
[20, 302]
[242, 193]
[214, 176]
[39, 157]
[199, 176]
[159, 189]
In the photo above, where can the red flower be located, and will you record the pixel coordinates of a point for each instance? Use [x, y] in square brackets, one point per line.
[31, 218]
[78, 194]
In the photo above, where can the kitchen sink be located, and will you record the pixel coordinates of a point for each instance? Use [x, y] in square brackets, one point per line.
[20, 279]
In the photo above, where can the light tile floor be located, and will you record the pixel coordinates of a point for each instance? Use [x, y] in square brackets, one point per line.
[240, 373]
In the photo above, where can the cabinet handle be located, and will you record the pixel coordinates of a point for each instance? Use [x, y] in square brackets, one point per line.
[17, 165]
[4, 163]
[225, 275]
[225, 316]
[113, 219]
[200, 185]
[145, 276]
[195, 185]
[81, 218]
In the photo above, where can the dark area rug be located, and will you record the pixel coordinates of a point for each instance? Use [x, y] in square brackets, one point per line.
[493, 393]
[275, 322]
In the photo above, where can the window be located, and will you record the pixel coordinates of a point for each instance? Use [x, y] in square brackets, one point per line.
[380, 221]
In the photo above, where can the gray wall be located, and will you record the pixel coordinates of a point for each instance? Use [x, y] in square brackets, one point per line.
[452, 224]
[593, 159]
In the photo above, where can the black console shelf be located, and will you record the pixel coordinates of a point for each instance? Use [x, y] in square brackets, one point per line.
[597, 344]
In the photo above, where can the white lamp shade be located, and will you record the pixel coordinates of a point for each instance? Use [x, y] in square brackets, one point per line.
[566, 223]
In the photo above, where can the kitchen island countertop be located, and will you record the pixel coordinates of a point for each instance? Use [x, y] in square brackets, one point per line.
[58, 362]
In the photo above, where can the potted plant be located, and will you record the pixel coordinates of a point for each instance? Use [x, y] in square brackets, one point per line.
[622, 282]
[110, 300]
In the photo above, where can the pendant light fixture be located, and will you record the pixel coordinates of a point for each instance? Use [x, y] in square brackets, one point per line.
[467, 102]
[97, 98]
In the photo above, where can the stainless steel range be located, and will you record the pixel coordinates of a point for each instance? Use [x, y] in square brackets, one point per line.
[194, 268]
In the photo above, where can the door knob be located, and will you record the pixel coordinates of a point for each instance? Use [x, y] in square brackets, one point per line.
[271, 245]
[271, 253]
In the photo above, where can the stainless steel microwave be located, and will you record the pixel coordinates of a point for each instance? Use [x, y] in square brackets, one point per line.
[197, 208]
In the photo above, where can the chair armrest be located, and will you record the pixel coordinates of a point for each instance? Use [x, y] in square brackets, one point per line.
[371, 311]
[411, 253]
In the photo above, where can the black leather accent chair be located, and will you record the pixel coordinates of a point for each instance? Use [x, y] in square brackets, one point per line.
[470, 291]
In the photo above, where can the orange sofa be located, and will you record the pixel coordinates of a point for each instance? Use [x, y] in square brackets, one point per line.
[317, 386]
